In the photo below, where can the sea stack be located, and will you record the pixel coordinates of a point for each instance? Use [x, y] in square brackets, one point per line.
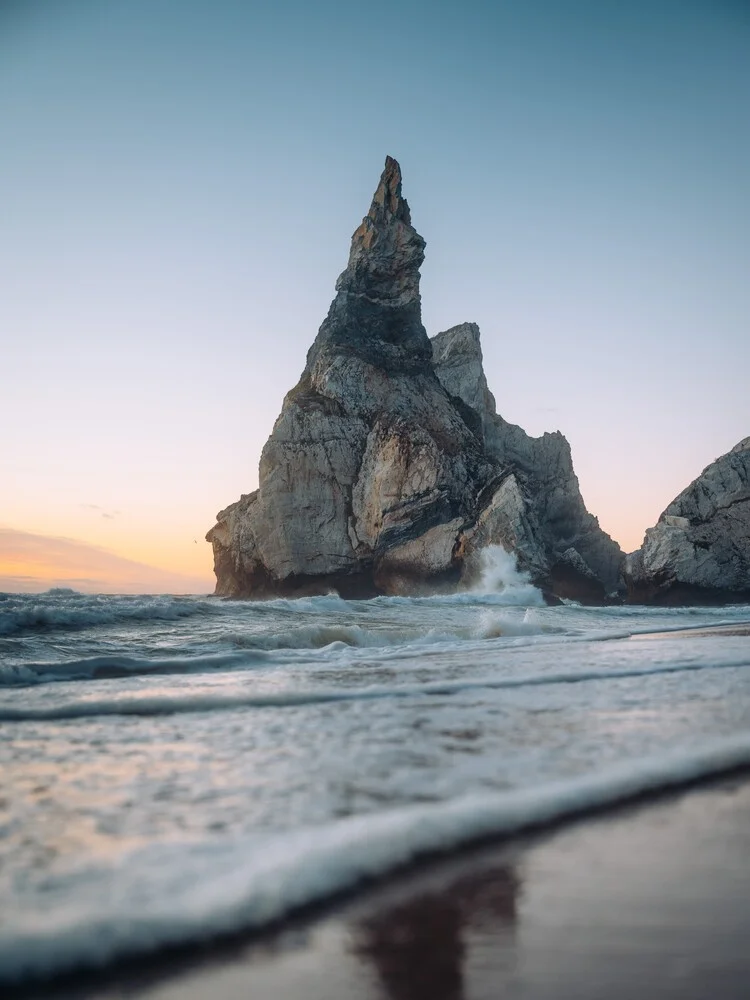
[699, 550]
[388, 469]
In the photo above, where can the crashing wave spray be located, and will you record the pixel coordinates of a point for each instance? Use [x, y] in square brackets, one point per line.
[499, 575]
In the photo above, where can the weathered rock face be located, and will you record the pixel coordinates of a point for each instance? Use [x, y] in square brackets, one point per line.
[388, 468]
[699, 550]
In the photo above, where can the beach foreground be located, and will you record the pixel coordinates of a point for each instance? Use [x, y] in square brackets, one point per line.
[649, 900]
[278, 775]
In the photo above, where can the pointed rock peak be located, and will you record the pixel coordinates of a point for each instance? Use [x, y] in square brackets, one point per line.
[377, 311]
[388, 199]
[386, 251]
[744, 445]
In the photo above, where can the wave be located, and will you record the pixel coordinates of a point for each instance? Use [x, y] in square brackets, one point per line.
[72, 611]
[315, 604]
[107, 667]
[322, 639]
[510, 598]
[500, 576]
[177, 894]
[138, 704]
[325, 642]
[500, 582]
[322, 636]
[658, 611]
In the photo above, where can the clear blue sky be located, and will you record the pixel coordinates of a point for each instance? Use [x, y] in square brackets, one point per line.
[179, 181]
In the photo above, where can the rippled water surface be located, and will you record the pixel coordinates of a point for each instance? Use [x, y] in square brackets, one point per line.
[175, 762]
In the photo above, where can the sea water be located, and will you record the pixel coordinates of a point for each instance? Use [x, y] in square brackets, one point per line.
[178, 767]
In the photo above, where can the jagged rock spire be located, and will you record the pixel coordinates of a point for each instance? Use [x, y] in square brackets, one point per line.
[388, 198]
[386, 251]
[377, 310]
[386, 472]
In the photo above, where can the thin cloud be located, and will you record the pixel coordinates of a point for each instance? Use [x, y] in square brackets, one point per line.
[109, 514]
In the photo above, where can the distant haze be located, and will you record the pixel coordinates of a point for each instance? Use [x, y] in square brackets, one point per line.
[179, 181]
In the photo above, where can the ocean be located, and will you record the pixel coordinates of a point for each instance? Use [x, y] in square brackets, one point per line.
[180, 767]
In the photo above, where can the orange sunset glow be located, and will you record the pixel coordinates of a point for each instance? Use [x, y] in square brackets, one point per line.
[32, 562]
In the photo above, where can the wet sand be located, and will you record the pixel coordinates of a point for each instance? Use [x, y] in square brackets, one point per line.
[698, 631]
[650, 900]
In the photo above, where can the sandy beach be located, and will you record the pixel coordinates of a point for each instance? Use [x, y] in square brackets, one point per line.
[649, 900]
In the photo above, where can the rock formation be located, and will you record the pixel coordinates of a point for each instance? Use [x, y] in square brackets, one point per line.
[699, 550]
[388, 469]
[534, 505]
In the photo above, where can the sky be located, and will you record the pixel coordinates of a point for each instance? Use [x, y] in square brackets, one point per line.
[179, 182]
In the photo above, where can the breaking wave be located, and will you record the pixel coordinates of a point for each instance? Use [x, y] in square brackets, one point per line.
[500, 583]
[175, 894]
[488, 626]
[500, 575]
[66, 609]
[95, 668]
[317, 639]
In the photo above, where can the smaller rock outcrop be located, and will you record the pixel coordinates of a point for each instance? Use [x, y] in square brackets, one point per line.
[533, 504]
[699, 550]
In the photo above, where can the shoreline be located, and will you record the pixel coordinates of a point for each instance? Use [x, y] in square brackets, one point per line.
[435, 912]
[643, 887]
[736, 629]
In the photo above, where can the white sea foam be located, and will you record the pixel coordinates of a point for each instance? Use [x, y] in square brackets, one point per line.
[500, 583]
[499, 574]
[172, 894]
[145, 704]
[493, 625]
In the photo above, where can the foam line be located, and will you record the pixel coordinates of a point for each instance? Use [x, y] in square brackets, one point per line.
[175, 894]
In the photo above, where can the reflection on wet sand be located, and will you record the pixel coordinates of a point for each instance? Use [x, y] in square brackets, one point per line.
[418, 946]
